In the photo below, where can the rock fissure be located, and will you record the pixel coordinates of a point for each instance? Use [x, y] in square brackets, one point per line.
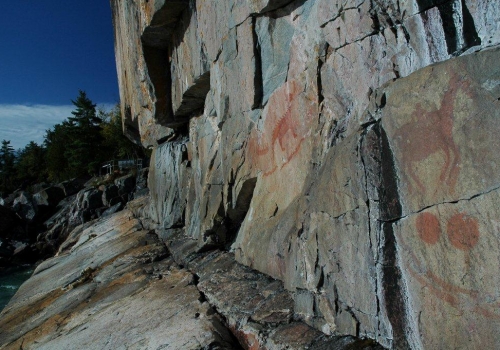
[392, 280]
[341, 11]
[395, 220]
[258, 83]
[362, 151]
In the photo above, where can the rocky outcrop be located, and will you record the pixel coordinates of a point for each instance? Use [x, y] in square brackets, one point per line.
[345, 148]
[115, 287]
[34, 226]
[114, 283]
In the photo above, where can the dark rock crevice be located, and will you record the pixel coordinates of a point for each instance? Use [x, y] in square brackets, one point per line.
[158, 70]
[239, 210]
[258, 84]
[381, 186]
[321, 61]
[339, 14]
[131, 126]
[494, 189]
[193, 98]
[458, 25]
[158, 33]
[281, 8]
[392, 280]
[159, 40]
[368, 154]
[471, 36]
[226, 223]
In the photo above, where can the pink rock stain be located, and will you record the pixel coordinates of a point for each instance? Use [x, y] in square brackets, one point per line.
[250, 341]
[287, 127]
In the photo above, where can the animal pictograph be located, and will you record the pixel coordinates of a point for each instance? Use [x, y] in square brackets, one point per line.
[431, 132]
[286, 126]
[430, 161]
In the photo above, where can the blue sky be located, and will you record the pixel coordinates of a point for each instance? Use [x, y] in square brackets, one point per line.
[49, 49]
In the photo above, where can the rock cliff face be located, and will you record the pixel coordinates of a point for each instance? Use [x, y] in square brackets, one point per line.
[345, 147]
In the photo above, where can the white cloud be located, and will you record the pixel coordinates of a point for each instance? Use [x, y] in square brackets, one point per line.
[24, 123]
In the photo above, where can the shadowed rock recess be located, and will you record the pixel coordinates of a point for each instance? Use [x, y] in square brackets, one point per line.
[325, 175]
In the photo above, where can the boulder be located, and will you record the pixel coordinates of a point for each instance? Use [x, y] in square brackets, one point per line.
[108, 193]
[92, 199]
[125, 184]
[9, 200]
[25, 206]
[72, 186]
[115, 268]
[49, 197]
[39, 187]
[113, 209]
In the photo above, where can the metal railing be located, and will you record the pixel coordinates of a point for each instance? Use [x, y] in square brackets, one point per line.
[111, 166]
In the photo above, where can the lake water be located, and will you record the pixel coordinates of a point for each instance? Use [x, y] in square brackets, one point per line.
[10, 281]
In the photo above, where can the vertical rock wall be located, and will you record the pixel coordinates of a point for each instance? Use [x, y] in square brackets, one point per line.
[347, 148]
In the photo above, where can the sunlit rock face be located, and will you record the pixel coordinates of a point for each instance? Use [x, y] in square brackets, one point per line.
[112, 285]
[347, 148]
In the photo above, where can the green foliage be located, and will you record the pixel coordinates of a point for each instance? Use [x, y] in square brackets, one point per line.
[56, 141]
[83, 152]
[7, 158]
[118, 146]
[30, 166]
[75, 147]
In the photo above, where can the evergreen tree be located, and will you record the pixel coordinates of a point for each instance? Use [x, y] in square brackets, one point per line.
[31, 166]
[7, 159]
[56, 142]
[75, 147]
[116, 144]
[84, 153]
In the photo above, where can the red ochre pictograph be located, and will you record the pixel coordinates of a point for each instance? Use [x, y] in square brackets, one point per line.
[286, 126]
[428, 228]
[430, 132]
[462, 230]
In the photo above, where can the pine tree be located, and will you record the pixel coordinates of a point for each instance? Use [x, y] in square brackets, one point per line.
[84, 149]
[7, 159]
[31, 166]
[117, 145]
[57, 140]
